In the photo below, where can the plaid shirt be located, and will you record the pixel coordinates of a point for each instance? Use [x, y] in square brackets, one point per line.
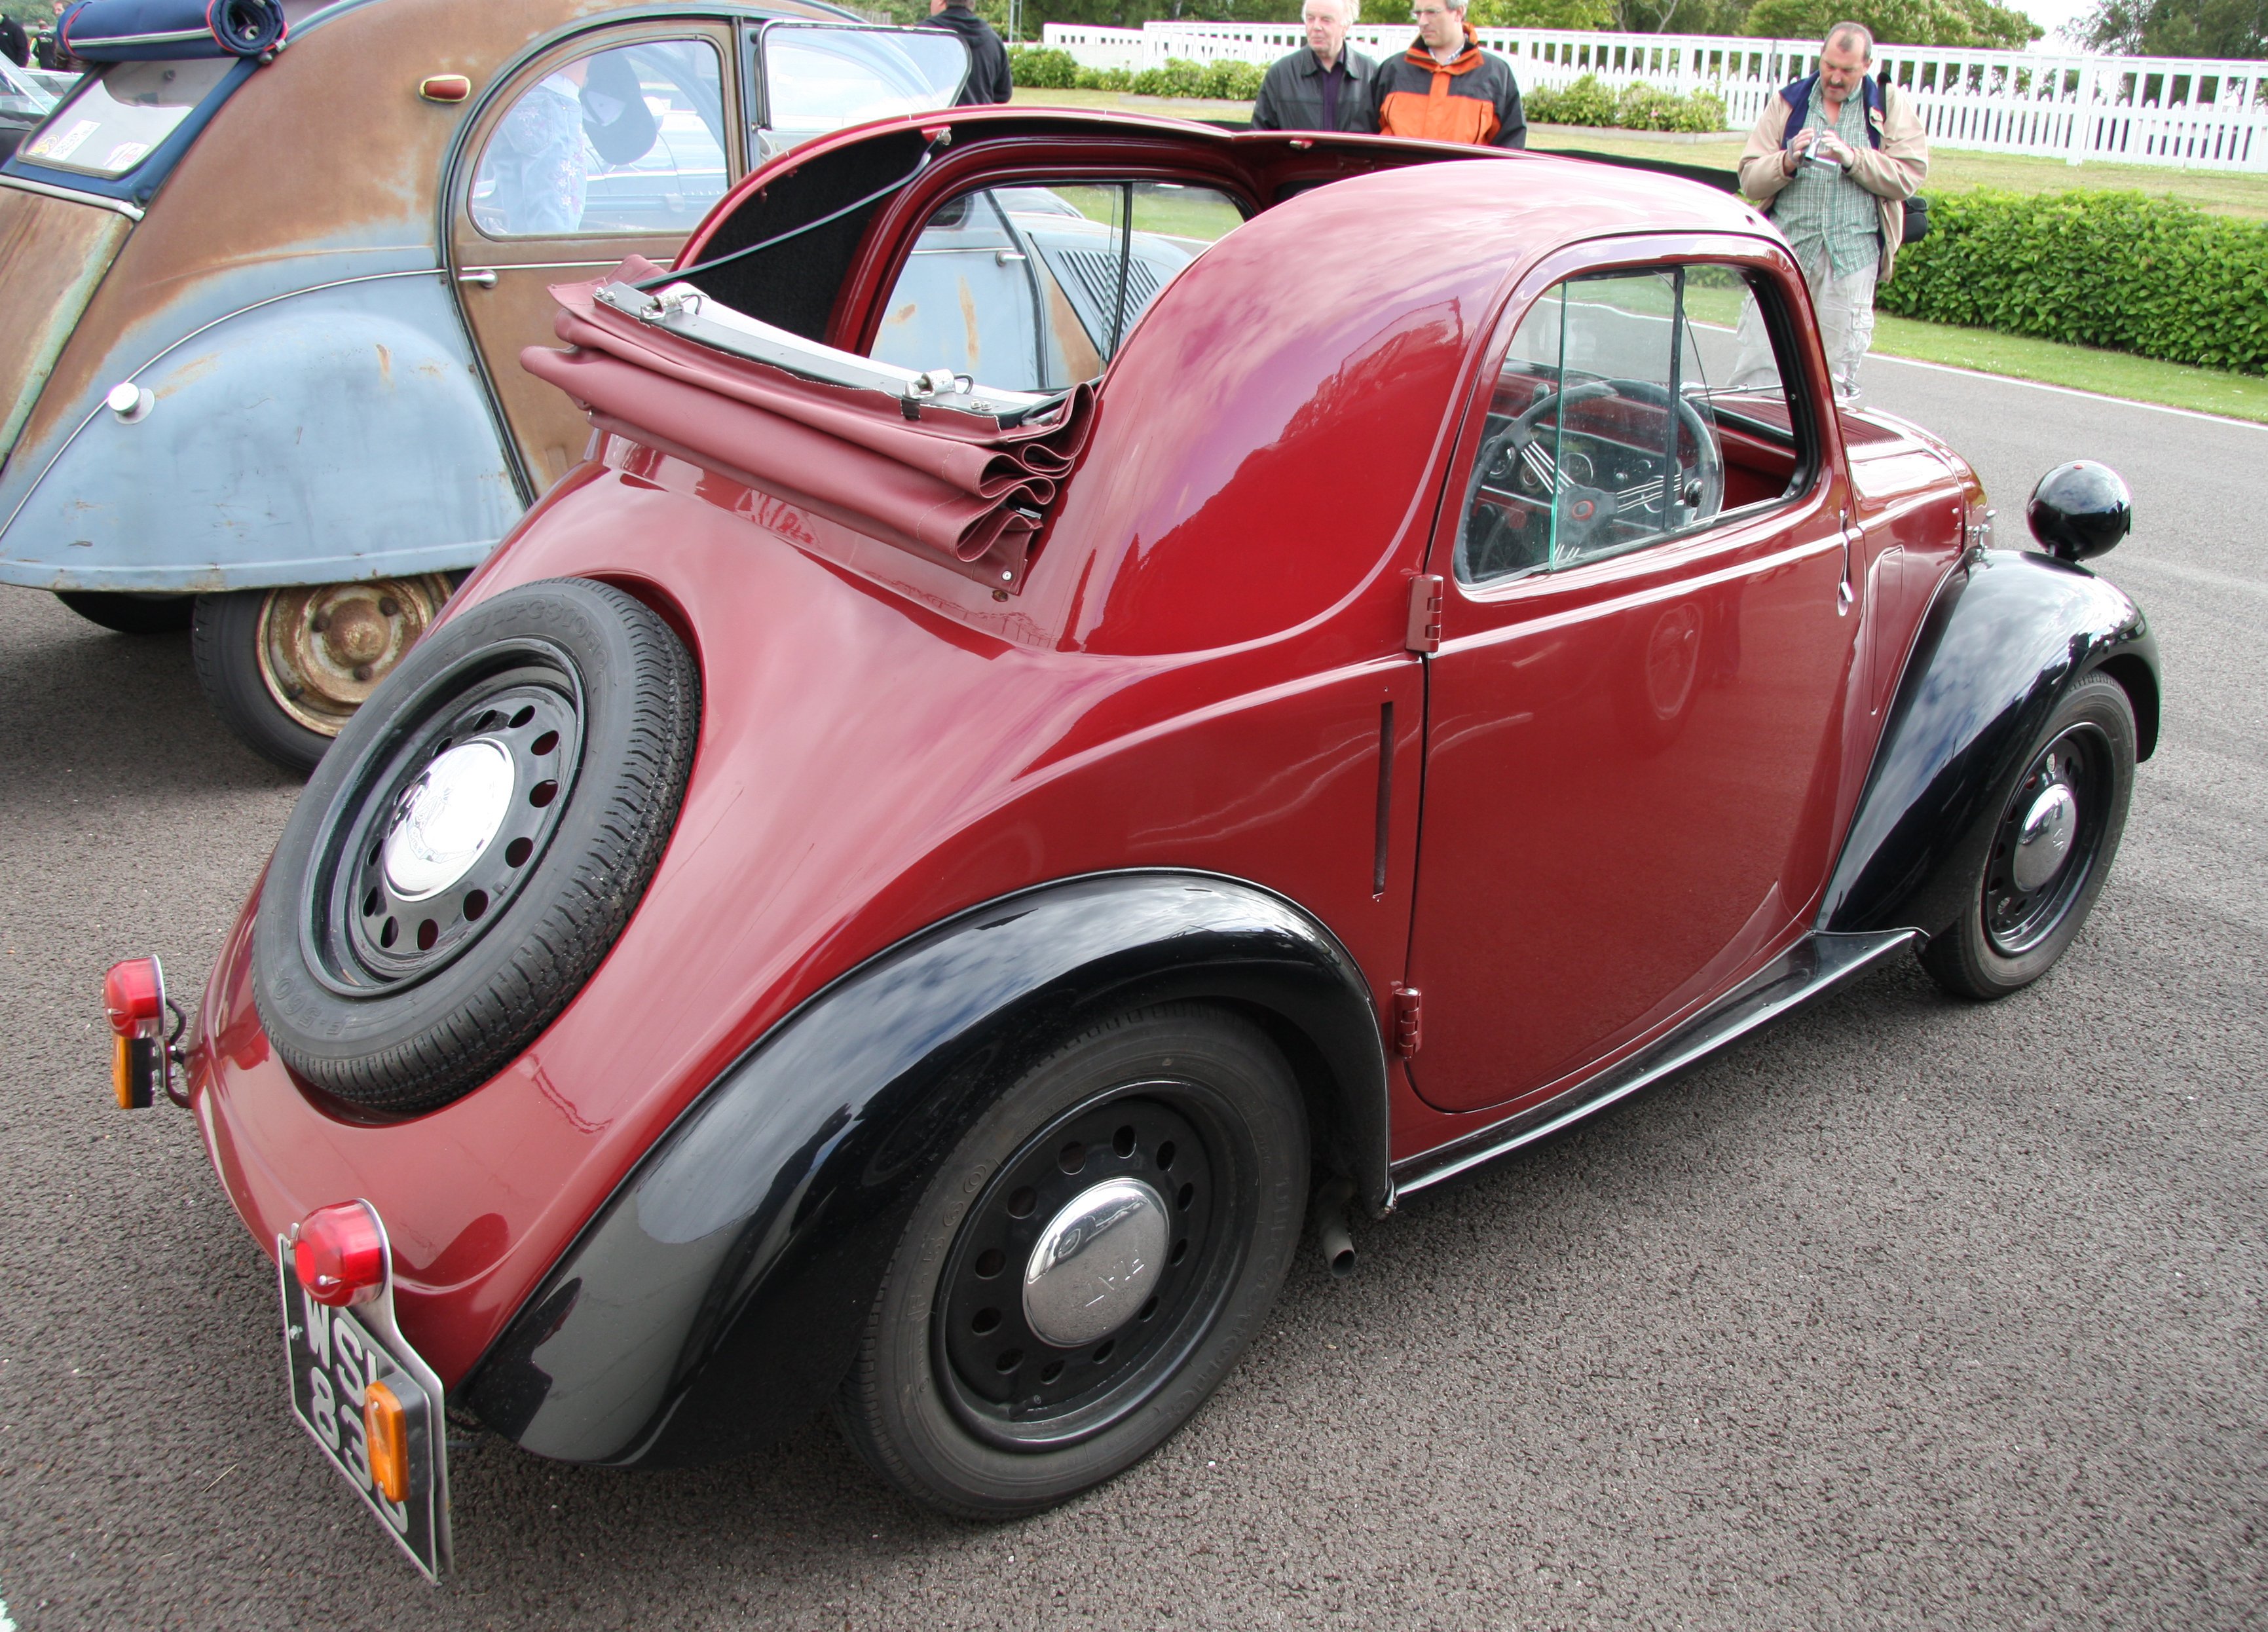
[1826, 209]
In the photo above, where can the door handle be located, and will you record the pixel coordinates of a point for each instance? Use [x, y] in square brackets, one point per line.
[1844, 595]
[483, 277]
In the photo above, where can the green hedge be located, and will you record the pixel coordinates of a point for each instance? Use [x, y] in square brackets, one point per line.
[2119, 270]
[1637, 108]
[1059, 71]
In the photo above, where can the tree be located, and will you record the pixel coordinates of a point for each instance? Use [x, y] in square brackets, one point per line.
[1680, 17]
[1899, 22]
[2227, 28]
[1540, 13]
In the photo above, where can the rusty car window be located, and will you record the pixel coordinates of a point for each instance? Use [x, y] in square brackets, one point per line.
[1631, 406]
[1033, 288]
[629, 140]
[118, 116]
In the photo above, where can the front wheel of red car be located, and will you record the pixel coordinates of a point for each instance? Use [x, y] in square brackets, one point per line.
[2051, 849]
[467, 854]
[1086, 1266]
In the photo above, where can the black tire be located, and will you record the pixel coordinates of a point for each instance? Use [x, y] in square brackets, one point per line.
[401, 1002]
[225, 641]
[925, 1402]
[130, 614]
[2012, 930]
[286, 668]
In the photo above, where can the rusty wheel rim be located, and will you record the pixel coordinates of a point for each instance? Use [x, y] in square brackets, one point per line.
[324, 648]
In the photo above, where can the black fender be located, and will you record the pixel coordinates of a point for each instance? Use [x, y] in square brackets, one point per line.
[715, 1300]
[2009, 634]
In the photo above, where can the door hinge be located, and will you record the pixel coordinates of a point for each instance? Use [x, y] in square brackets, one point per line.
[1424, 631]
[1408, 1023]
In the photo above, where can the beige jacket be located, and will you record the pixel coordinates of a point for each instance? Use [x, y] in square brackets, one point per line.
[1891, 172]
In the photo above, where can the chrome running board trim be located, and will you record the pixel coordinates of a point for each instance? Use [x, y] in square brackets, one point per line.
[1807, 968]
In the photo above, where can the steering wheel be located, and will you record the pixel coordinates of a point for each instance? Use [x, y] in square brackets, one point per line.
[1585, 512]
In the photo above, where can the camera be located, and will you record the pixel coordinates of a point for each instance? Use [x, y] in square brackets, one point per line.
[1819, 160]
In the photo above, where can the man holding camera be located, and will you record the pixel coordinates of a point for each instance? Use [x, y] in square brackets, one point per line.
[1832, 161]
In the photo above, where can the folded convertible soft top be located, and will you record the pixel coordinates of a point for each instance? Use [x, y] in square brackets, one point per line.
[931, 464]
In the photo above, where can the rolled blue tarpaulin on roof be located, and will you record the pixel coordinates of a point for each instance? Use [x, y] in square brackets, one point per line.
[141, 31]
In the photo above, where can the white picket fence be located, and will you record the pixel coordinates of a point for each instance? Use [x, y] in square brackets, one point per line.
[2133, 110]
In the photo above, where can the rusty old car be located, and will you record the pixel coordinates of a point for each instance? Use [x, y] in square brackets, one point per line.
[268, 286]
[928, 856]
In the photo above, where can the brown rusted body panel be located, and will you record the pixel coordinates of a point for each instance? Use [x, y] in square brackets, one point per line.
[52, 253]
[329, 148]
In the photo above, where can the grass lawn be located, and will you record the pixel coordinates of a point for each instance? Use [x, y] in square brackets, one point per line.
[1952, 171]
[2217, 191]
[2112, 374]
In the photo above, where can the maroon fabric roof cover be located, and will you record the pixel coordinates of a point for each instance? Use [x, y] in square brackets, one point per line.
[947, 486]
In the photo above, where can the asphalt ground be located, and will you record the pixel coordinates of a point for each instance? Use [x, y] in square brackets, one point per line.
[1906, 1312]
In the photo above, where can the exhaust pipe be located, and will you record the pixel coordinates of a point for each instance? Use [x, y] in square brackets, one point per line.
[1331, 1225]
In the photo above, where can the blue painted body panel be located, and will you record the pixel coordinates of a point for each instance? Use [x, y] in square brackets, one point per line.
[335, 432]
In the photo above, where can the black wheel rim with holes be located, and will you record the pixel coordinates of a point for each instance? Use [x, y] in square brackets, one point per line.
[1012, 1388]
[371, 937]
[2018, 920]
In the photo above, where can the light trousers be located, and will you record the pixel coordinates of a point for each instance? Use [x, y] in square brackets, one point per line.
[1845, 305]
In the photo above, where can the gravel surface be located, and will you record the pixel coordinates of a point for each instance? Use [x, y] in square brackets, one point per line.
[1906, 1312]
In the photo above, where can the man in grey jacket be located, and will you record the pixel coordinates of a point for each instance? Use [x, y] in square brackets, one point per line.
[1323, 87]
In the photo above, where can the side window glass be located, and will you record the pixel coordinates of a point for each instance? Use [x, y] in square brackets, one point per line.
[1630, 408]
[1032, 287]
[630, 140]
[823, 77]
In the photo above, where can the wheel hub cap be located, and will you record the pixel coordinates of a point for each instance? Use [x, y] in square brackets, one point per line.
[323, 648]
[2044, 838]
[1095, 1263]
[447, 818]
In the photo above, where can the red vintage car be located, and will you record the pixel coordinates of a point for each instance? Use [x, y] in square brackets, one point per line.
[1106, 688]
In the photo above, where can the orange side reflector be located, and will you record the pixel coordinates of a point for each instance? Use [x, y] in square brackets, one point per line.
[444, 88]
[121, 1072]
[387, 1432]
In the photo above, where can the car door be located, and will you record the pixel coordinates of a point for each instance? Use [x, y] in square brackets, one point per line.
[1634, 715]
[611, 144]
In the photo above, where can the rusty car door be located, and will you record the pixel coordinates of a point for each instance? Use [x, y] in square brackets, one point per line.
[611, 144]
[1635, 713]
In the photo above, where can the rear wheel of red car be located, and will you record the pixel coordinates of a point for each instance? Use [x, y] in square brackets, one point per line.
[286, 668]
[470, 849]
[1086, 1266]
[2051, 851]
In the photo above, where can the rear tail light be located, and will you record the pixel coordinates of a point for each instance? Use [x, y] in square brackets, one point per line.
[385, 1433]
[338, 1254]
[141, 1065]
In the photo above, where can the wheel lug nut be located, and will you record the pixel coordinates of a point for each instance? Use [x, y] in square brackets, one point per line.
[389, 607]
[362, 671]
[319, 623]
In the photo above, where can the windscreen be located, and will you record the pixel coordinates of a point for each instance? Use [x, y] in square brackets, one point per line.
[819, 78]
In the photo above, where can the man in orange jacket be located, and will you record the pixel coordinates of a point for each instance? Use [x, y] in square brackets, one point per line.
[1445, 88]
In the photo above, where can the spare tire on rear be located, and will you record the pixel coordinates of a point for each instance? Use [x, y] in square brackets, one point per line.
[473, 844]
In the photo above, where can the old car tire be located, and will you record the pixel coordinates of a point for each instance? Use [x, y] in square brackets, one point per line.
[468, 852]
[1171, 1145]
[127, 614]
[286, 668]
[2051, 849]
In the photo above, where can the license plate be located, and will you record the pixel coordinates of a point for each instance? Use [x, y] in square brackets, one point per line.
[335, 1355]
